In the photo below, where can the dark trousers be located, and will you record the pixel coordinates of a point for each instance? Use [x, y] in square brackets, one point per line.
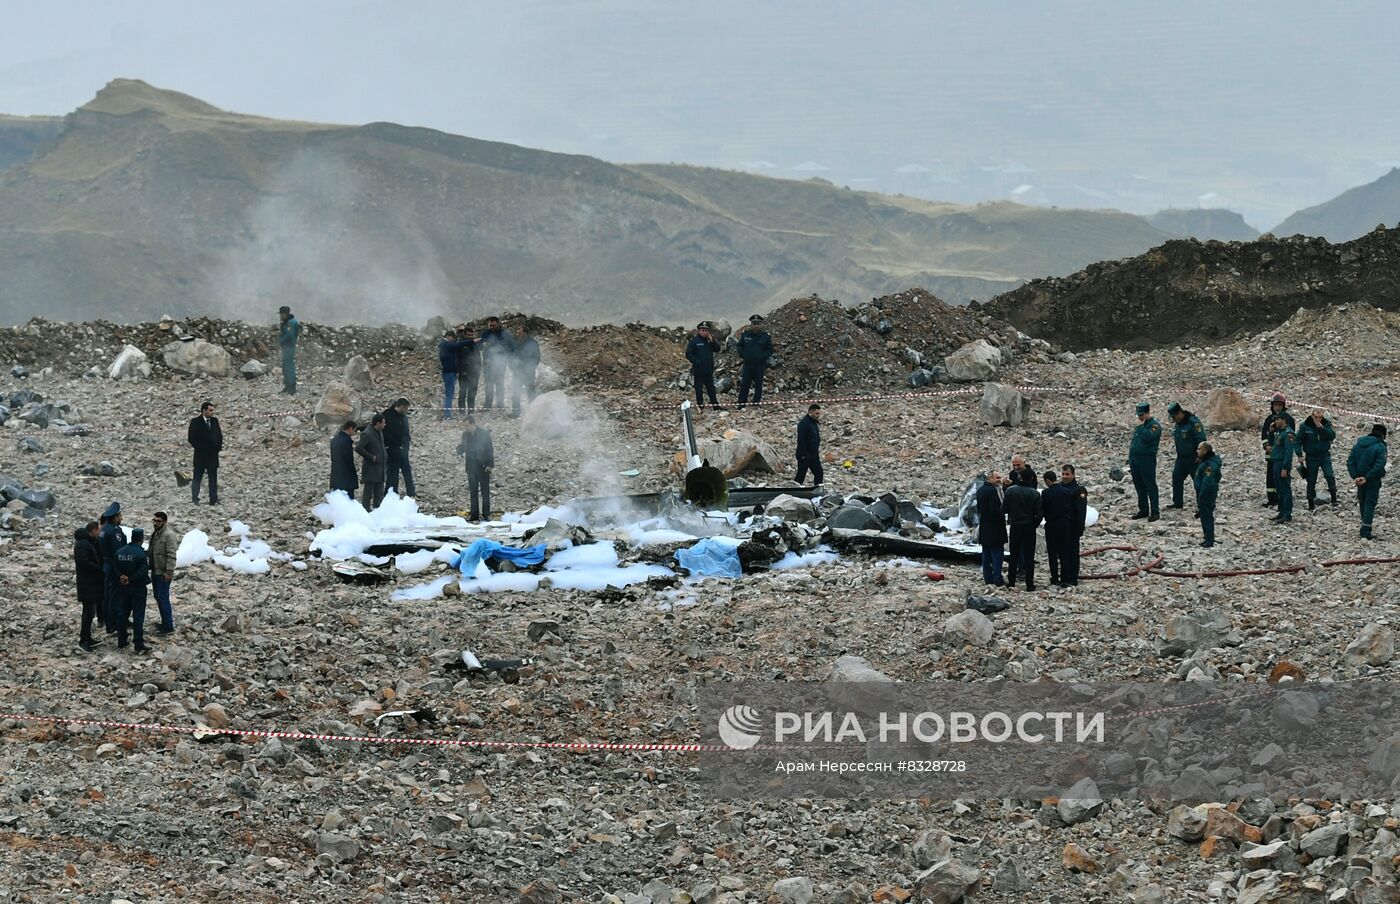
[449, 390]
[466, 389]
[751, 379]
[396, 463]
[111, 602]
[479, 488]
[160, 587]
[1144, 472]
[85, 629]
[813, 464]
[371, 494]
[1062, 549]
[1270, 491]
[1367, 496]
[1182, 471]
[522, 380]
[289, 369]
[210, 468]
[495, 384]
[704, 383]
[1323, 463]
[992, 557]
[1022, 554]
[1283, 487]
[132, 599]
[1205, 501]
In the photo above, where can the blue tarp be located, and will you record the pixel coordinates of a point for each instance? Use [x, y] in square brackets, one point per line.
[711, 558]
[473, 555]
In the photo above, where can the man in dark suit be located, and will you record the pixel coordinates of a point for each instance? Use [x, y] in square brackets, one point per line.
[207, 441]
[343, 476]
[991, 528]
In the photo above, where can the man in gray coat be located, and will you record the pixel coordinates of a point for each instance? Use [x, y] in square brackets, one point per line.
[373, 456]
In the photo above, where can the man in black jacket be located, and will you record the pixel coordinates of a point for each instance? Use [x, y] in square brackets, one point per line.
[480, 457]
[87, 563]
[468, 370]
[1022, 518]
[207, 440]
[397, 439]
[496, 348]
[700, 352]
[524, 363]
[991, 528]
[809, 442]
[343, 476]
[1066, 506]
[111, 539]
[755, 348]
[133, 574]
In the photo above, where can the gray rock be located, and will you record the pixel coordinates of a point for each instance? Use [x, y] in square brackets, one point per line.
[1010, 877]
[974, 362]
[853, 517]
[1385, 759]
[338, 404]
[340, 848]
[130, 364]
[934, 846]
[1375, 645]
[968, 627]
[1002, 406]
[1324, 841]
[19, 372]
[1115, 474]
[197, 357]
[793, 890]
[987, 605]
[859, 686]
[30, 445]
[791, 508]
[252, 369]
[1080, 803]
[38, 499]
[357, 374]
[948, 882]
[1294, 710]
[37, 413]
[1256, 856]
[1191, 631]
[1194, 784]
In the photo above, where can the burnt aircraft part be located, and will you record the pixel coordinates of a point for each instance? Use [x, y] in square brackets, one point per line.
[707, 487]
[873, 542]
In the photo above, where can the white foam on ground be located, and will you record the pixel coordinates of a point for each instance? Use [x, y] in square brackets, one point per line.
[351, 530]
[822, 555]
[250, 556]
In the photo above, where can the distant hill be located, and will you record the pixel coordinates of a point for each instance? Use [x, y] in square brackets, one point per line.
[1351, 214]
[145, 202]
[20, 136]
[1218, 224]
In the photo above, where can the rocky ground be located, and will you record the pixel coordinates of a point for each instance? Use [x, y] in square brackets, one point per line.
[97, 814]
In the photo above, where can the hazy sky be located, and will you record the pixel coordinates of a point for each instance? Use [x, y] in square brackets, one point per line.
[1261, 106]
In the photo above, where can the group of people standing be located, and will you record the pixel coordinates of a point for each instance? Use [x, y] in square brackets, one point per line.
[755, 349]
[113, 572]
[1009, 509]
[498, 355]
[383, 450]
[1287, 447]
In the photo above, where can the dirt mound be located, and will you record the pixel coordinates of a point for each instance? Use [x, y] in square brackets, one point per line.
[1190, 292]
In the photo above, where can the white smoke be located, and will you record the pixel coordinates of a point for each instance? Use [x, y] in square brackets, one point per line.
[327, 242]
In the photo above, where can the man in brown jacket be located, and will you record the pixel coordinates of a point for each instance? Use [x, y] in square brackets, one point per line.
[161, 552]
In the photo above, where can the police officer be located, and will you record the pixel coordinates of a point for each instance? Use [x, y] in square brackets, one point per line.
[1142, 462]
[1066, 506]
[1187, 434]
[700, 352]
[1283, 448]
[755, 348]
[109, 541]
[1366, 467]
[1315, 439]
[1278, 407]
[1207, 481]
[133, 574]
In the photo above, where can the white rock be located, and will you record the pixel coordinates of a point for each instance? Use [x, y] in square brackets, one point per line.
[975, 361]
[130, 363]
[198, 357]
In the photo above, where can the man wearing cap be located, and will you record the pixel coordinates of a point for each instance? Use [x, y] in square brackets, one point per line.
[133, 574]
[1315, 438]
[1187, 434]
[1278, 407]
[1283, 448]
[287, 335]
[109, 541]
[1142, 462]
[755, 348]
[343, 475]
[162, 554]
[207, 439]
[1366, 467]
[700, 352]
[1207, 482]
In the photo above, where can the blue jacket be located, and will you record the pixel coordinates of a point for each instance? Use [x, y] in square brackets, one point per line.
[109, 541]
[450, 353]
[1147, 436]
[1266, 429]
[1283, 445]
[1316, 441]
[131, 561]
[755, 348]
[1188, 436]
[1065, 505]
[1367, 459]
[496, 344]
[288, 334]
[1207, 477]
[809, 438]
[700, 352]
[343, 475]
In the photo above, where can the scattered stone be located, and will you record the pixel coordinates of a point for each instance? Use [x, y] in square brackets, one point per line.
[1227, 409]
[338, 404]
[541, 891]
[357, 374]
[340, 848]
[934, 846]
[968, 627]
[1077, 860]
[793, 890]
[1194, 784]
[1326, 841]
[30, 445]
[948, 882]
[253, 368]
[1002, 406]
[1188, 632]
[987, 605]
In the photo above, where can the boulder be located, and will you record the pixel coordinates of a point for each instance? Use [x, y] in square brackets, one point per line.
[793, 890]
[338, 404]
[197, 357]
[853, 517]
[790, 508]
[1227, 409]
[1375, 645]
[38, 413]
[1191, 631]
[547, 379]
[949, 882]
[130, 364]
[1002, 406]
[968, 627]
[357, 374]
[38, 499]
[738, 452]
[1080, 802]
[29, 445]
[977, 361]
[551, 417]
[720, 330]
[252, 369]
[858, 686]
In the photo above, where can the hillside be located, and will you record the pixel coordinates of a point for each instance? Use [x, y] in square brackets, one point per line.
[1353, 213]
[20, 136]
[151, 202]
[1190, 292]
[1204, 224]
